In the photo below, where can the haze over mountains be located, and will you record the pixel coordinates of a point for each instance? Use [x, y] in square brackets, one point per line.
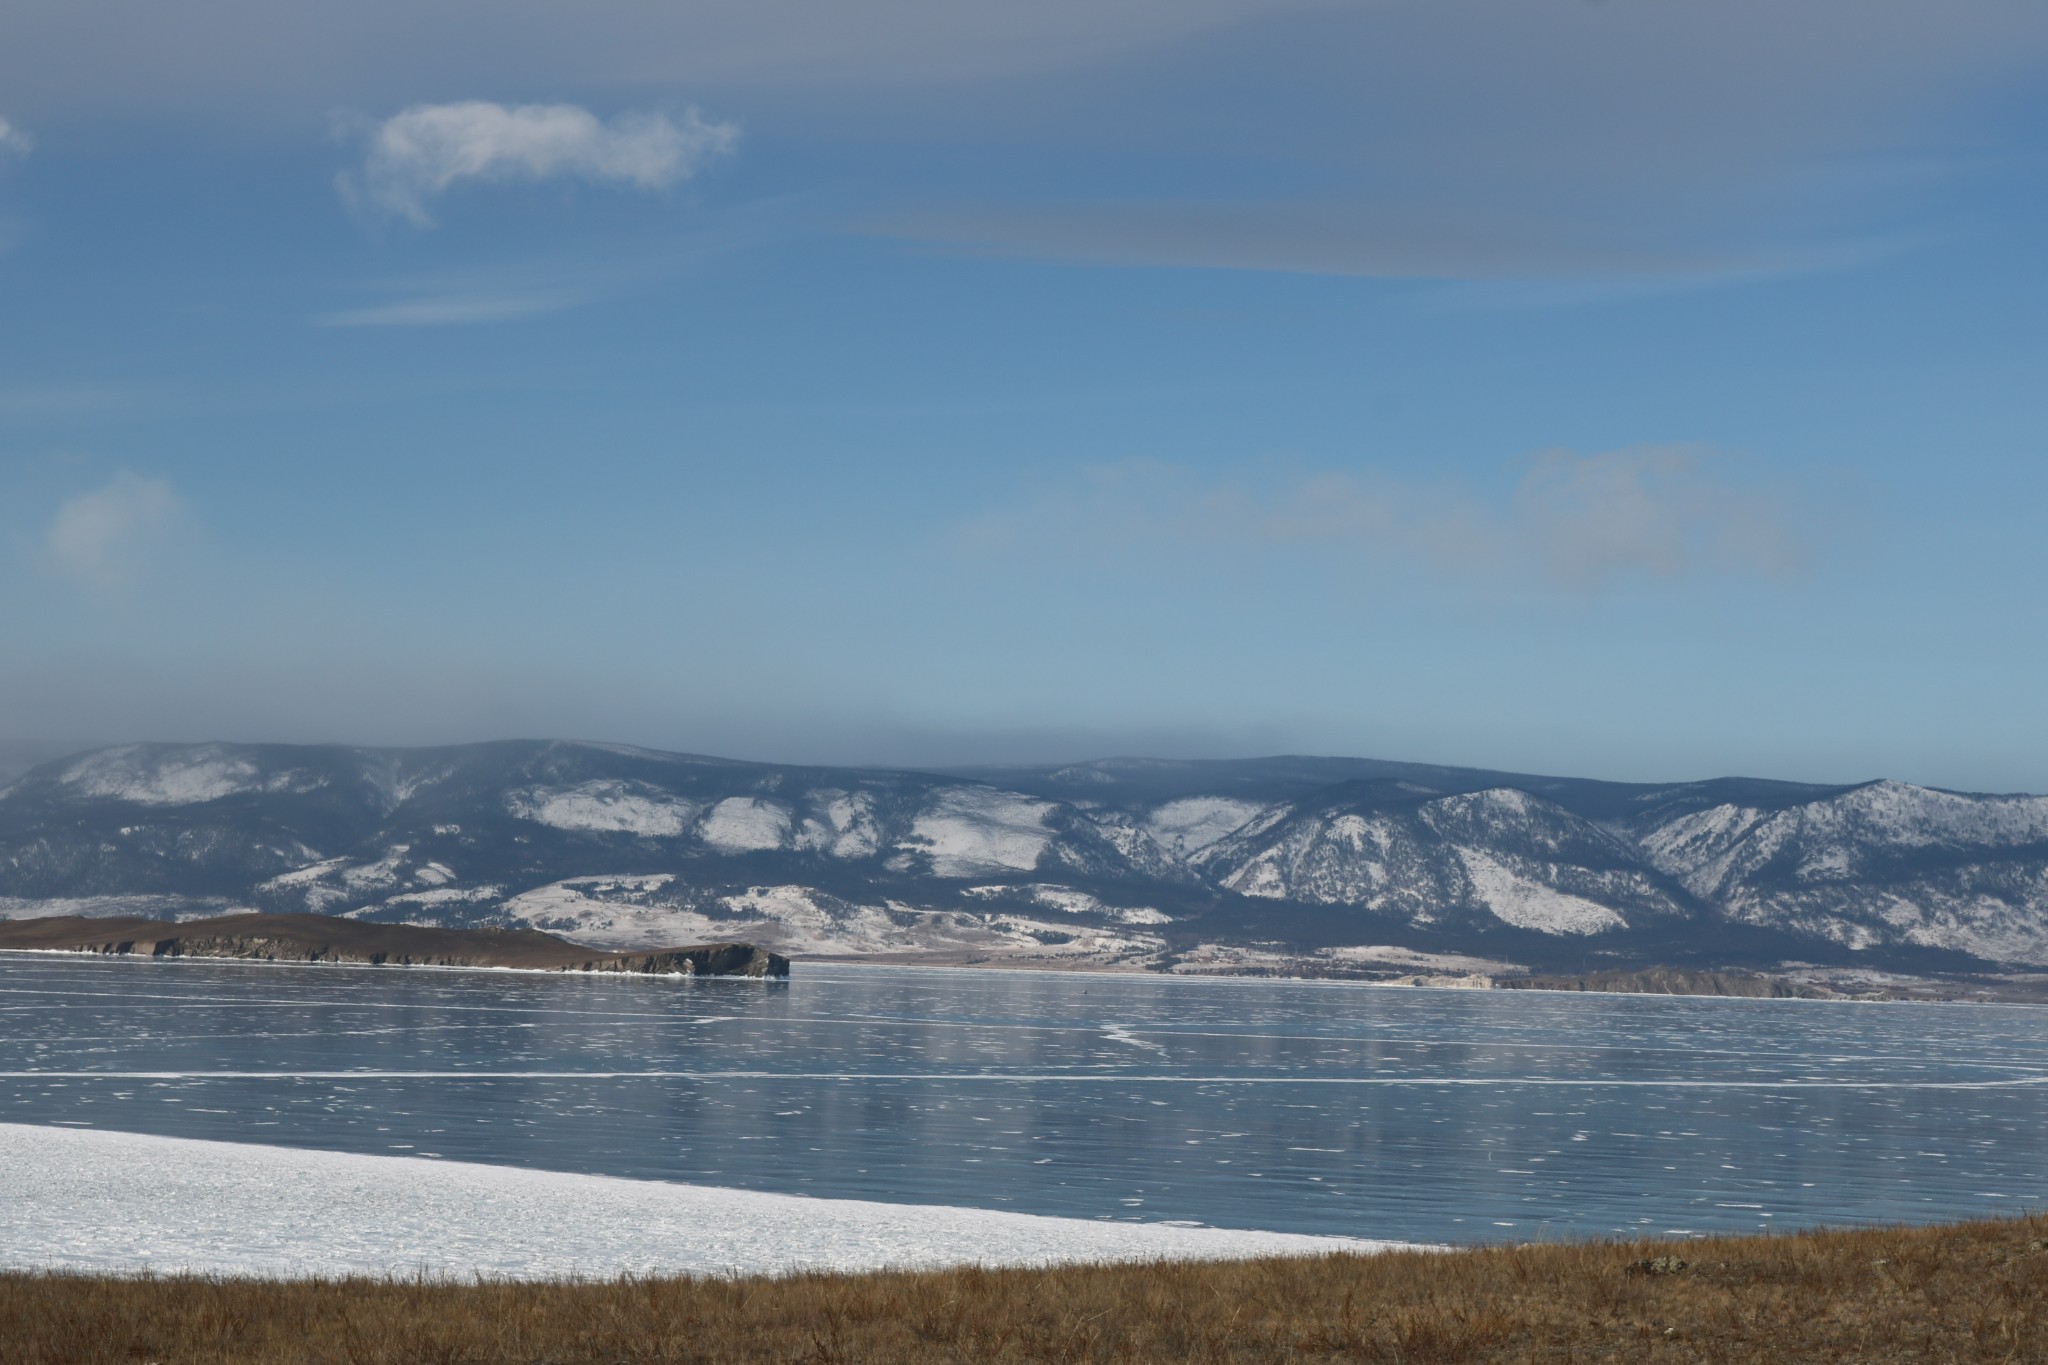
[1350, 863]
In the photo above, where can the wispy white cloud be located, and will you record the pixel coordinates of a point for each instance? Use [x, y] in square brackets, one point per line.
[485, 291]
[1511, 259]
[1306, 238]
[106, 538]
[14, 140]
[1654, 511]
[452, 310]
[1576, 523]
[416, 155]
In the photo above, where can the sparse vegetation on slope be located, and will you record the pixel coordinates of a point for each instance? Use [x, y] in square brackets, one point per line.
[1971, 1292]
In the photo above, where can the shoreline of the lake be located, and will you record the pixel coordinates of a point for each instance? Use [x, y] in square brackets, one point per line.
[1930, 991]
[2038, 991]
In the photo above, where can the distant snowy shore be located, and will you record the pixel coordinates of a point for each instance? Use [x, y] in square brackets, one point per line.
[84, 1199]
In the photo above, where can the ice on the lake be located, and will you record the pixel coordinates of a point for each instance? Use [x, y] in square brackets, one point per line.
[84, 1199]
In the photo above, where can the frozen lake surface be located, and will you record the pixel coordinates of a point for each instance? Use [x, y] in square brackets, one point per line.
[1386, 1113]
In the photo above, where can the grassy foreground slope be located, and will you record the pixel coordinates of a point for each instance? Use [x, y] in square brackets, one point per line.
[1970, 1292]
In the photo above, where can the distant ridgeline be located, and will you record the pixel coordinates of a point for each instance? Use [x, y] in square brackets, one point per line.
[1349, 866]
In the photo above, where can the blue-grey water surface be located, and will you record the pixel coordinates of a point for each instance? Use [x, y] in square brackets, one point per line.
[1433, 1115]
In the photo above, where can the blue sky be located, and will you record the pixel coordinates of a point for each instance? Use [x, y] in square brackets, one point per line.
[1643, 390]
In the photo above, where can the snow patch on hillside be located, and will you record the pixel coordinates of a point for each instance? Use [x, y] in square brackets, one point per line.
[1333, 860]
[393, 877]
[1187, 826]
[1839, 839]
[842, 824]
[396, 785]
[1921, 817]
[386, 871]
[1414, 960]
[124, 907]
[605, 807]
[445, 895]
[647, 912]
[745, 824]
[602, 912]
[643, 912]
[1070, 901]
[804, 922]
[303, 876]
[1529, 904]
[972, 831]
[181, 777]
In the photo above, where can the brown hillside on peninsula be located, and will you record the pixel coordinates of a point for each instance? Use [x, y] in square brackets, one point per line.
[321, 938]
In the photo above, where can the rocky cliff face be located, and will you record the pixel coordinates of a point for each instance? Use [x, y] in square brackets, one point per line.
[718, 959]
[1123, 861]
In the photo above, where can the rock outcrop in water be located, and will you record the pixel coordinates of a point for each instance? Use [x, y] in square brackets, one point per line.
[319, 938]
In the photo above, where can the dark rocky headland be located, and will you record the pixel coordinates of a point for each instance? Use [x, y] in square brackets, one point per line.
[322, 938]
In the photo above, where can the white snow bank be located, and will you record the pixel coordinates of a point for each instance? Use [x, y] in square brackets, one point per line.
[82, 1199]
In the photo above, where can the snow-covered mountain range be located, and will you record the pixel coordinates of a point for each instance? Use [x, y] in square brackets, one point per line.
[1140, 861]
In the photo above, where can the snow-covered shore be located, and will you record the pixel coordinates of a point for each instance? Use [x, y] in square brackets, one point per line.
[84, 1199]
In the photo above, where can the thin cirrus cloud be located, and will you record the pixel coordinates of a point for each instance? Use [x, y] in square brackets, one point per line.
[1364, 242]
[105, 539]
[1303, 238]
[1578, 524]
[455, 310]
[13, 143]
[415, 156]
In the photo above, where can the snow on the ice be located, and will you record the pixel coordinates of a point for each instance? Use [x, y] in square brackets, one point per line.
[82, 1199]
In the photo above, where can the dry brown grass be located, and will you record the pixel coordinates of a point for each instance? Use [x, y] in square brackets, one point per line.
[1970, 1292]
